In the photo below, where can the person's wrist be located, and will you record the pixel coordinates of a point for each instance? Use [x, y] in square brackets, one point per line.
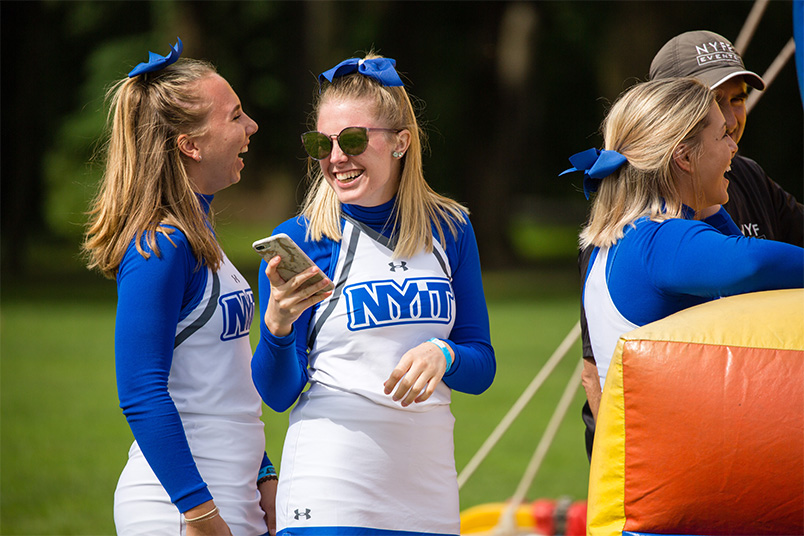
[277, 329]
[266, 473]
[202, 512]
[444, 350]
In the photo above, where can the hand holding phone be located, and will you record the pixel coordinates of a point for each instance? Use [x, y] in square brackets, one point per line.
[294, 260]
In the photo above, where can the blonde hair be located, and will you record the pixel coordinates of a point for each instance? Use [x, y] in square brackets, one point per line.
[417, 205]
[646, 125]
[145, 184]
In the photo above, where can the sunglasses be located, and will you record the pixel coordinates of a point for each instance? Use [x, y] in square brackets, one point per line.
[352, 141]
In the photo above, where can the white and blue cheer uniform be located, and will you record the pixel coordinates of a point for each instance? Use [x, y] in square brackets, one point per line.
[355, 461]
[659, 268]
[184, 381]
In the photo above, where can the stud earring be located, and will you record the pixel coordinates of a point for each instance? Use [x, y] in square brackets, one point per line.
[198, 158]
[397, 154]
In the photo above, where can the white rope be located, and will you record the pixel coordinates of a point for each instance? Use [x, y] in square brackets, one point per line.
[783, 57]
[519, 405]
[507, 522]
[750, 26]
[741, 44]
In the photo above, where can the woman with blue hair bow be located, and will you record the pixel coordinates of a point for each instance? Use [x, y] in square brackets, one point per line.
[369, 449]
[198, 464]
[661, 240]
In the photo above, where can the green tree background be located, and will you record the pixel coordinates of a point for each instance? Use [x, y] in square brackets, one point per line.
[508, 90]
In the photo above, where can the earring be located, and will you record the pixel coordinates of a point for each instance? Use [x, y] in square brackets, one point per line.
[397, 154]
[198, 158]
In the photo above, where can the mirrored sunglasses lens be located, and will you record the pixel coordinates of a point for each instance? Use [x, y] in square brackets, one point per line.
[317, 145]
[353, 140]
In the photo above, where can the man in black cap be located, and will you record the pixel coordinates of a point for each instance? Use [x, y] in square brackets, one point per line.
[760, 207]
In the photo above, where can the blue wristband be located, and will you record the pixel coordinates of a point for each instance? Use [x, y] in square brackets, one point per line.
[444, 350]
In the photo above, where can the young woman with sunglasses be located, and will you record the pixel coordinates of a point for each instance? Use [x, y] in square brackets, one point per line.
[369, 446]
[198, 463]
[661, 240]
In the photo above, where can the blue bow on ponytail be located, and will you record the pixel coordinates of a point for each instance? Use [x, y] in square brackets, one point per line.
[156, 62]
[380, 69]
[596, 166]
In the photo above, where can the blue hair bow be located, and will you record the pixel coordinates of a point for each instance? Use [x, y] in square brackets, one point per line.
[596, 166]
[380, 69]
[156, 62]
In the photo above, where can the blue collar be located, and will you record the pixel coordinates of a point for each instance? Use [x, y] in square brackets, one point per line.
[378, 214]
[206, 201]
[687, 212]
[379, 218]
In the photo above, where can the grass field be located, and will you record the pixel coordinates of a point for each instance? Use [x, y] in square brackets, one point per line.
[63, 439]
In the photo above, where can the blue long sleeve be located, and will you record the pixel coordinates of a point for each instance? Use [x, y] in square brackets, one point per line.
[700, 261]
[278, 370]
[475, 366]
[153, 295]
[659, 268]
[279, 366]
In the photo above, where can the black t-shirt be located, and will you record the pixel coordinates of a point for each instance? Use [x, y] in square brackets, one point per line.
[760, 207]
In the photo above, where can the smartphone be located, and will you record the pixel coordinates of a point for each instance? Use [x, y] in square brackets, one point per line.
[294, 260]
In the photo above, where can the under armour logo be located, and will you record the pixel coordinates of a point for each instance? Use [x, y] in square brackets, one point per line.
[298, 515]
[402, 264]
[235, 278]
